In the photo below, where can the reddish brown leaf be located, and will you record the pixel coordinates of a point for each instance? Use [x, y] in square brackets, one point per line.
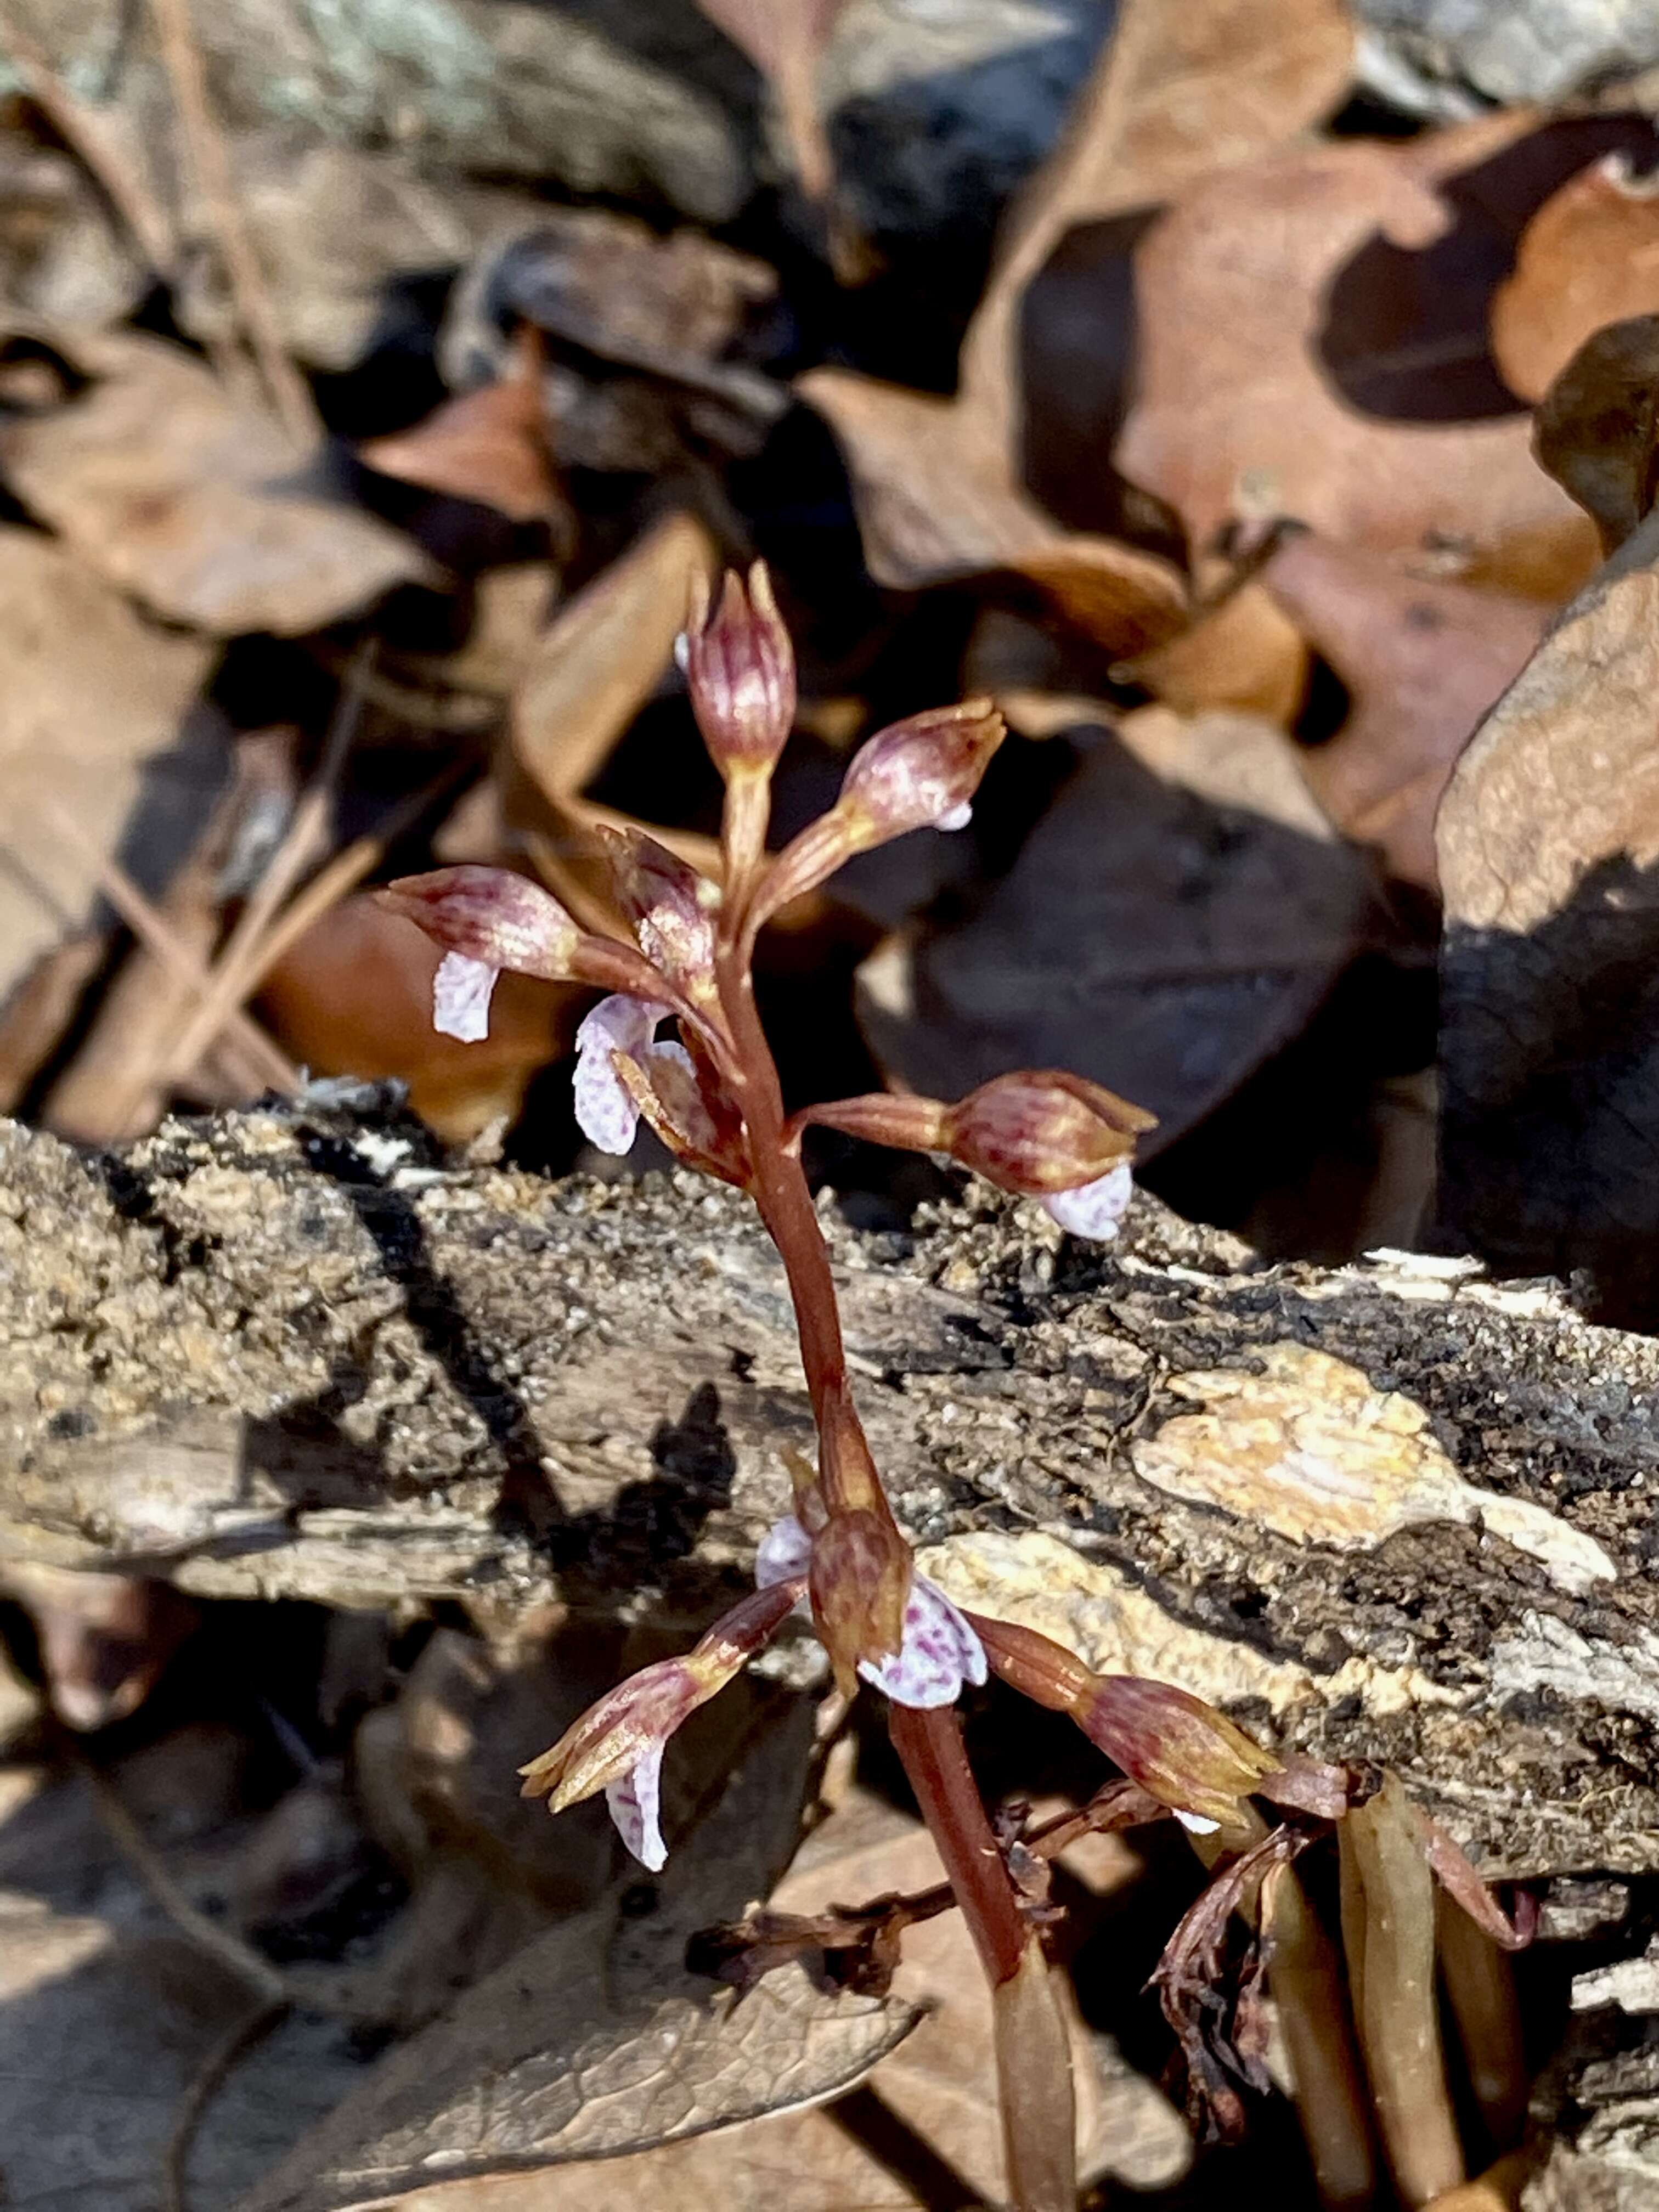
[1589, 257]
[1257, 398]
[1422, 662]
[784, 38]
[491, 446]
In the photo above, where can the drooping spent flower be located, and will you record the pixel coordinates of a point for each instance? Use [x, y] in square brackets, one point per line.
[670, 906]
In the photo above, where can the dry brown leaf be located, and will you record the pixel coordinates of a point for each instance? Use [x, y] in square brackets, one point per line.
[1548, 839]
[594, 2041]
[596, 666]
[1246, 366]
[1422, 661]
[1589, 257]
[491, 446]
[1245, 654]
[95, 698]
[1175, 917]
[936, 504]
[353, 997]
[939, 2086]
[1598, 427]
[196, 506]
[1178, 91]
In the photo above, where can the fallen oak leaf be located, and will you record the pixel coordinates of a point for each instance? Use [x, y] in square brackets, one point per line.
[1240, 409]
[167, 488]
[1589, 257]
[937, 505]
[1423, 661]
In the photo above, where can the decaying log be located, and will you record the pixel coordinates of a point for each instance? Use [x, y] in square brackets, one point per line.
[1388, 1512]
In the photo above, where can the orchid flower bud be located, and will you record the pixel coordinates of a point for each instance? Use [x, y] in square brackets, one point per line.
[919, 774]
[938, 1652]
[1180, 1750]
[670, 906]
[1177, 1747]
[740, 668]
[1042, 1130]
[617, 1745]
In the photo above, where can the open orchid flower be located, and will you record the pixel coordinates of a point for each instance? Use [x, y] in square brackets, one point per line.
[939, 1652]
[606, 1110]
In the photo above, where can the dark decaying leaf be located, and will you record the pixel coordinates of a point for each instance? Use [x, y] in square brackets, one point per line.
[1598, 428]
[594, 2041]
[1176, 916]
[1548, 841]
[199, 507]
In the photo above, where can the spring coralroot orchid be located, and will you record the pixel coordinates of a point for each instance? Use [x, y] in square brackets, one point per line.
[682, 953]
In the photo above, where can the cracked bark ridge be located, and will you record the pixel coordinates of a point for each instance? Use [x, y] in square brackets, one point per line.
[290, 1354]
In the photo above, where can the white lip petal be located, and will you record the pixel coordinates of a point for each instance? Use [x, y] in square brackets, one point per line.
[785, 1551]
[636, 1800]
[939, 1654]
[956, 817]
[605, 1113]
[1094, 1209]
[1196, 1821]
[460, 997]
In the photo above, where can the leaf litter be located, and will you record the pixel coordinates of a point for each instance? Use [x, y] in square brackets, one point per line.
[1261, 473]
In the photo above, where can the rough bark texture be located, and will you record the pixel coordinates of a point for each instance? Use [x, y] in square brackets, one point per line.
[1390, 1512]
[286, 1355]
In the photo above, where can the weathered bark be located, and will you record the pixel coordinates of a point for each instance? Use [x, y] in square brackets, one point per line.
[286, 1355]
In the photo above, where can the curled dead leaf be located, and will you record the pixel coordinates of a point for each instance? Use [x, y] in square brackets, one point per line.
[1549, 840]
[1598, 431]
[491, 445]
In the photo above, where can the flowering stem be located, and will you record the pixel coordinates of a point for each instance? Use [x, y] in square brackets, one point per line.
[1034, 2066]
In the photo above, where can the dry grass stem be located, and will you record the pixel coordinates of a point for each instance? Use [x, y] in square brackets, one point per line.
[209, 158]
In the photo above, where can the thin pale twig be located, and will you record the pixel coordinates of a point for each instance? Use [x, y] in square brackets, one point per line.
[249, 2030]
[157, 935]
[117, 172]
[217, 181]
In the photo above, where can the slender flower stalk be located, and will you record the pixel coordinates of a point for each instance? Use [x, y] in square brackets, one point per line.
[676, 1041]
